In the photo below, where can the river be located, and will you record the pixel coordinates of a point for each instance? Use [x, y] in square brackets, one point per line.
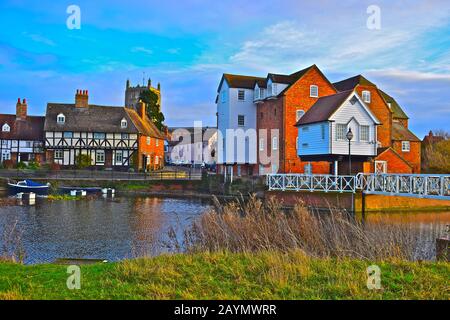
[123, 227]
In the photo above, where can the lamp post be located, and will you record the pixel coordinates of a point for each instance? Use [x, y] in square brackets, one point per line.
[349, 138]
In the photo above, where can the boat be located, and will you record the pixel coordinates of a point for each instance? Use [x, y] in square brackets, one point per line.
[28, 186]
[89, 190]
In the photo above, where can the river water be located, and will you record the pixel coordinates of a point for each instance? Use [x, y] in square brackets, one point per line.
[124, 227]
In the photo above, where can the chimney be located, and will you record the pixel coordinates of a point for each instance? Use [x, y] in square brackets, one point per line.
[149, 83]
[82, 99]
[141, 109]
[21, 109]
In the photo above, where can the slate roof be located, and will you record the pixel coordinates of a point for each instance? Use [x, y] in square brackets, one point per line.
[240, 81]
[351, 83]
[400, 133]
[324, 108]
[31, 128]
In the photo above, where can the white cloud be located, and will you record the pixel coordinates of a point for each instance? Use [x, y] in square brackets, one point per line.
[39, 38]
[142, 50]
[409, 75]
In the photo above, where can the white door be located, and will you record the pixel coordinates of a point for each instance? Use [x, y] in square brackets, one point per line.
[380, 167]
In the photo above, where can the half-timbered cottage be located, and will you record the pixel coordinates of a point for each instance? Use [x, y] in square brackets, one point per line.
[21, 136]
[111, 137]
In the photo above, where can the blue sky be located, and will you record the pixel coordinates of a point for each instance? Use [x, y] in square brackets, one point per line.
[187, 45]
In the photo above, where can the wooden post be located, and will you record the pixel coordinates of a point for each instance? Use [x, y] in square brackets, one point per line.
[442, 245]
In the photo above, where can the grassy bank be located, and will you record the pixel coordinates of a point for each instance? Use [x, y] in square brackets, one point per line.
[263, 275]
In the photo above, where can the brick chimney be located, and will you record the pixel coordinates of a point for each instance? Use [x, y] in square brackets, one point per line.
[82, 99]
[21, 109]
[141, 109]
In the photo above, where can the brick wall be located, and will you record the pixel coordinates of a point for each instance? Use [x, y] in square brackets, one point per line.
[153, 150]
[395, 164]
[298, 97]
[413, 156]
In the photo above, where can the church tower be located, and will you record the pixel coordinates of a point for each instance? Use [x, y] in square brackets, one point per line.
[132, 94]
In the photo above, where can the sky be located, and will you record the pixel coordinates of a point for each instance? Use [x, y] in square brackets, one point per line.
[187, 45]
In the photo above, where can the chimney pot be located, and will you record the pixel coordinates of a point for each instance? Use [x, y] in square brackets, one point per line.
[18, 100]
[24, 101]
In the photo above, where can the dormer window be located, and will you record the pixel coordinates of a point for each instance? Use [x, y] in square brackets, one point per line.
[314, 91]
[6, 128]
[366, 96]
[123, 123]
[61, 119]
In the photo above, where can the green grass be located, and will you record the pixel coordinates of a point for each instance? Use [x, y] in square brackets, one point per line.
[228, 276]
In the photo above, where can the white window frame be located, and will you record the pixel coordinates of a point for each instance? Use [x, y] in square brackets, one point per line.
[275, 143]
[406, 146]
[261, 144]
[123, 123]
[6, 128]
[156, 142]
[148, 141]
[241, 95]
[118, 157]
[313, 94]
[59, 154]
[364, 135]
[366, 96]
[299, 113]
[100, 157]
[383, 166]
[60, 118]
[341, 132]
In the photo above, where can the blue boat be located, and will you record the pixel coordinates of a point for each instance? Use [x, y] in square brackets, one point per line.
[28, 186]
[89, 190]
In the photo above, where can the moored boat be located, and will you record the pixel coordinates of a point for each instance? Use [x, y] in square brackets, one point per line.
[89, 190]
[28, 186]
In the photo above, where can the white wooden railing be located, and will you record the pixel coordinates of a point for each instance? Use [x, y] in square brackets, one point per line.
[413, 185]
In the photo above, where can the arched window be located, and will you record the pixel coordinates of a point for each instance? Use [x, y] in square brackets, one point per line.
[123, 123]
[61, 119]
[6, 128]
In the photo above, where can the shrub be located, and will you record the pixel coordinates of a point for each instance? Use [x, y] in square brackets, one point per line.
[82, 161]
[254, 225]
[33, 165]
[21, 165]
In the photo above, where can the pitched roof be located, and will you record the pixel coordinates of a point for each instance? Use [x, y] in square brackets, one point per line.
[147, 127]
[351, 83]
[395, 107]
[400, 133]
[239, 81]
[31, 128]
[324, 108]
[94, 118]
[390, 149]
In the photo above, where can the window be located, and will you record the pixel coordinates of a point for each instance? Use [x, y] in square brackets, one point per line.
[100, 156]
[364, 133]
[308, 168]
[275, 143]
[241, 120]
[322, 129]
[406, 146]
[119, 157]
[61, 119]
[366, 96]
[261, 93]
[157, 142]
[59, 155]
[6, 128]
[261, 144]
[274, 89]
[269, 89]
[148, 141]
[68, 135]
[99, 136]
[156, 160]
[123, 124]
[299, 114]
[305, 129]
[341, 131]
[124, 136]
[305, 145]
[241, 95]
[314, 91]
[275, 112]
[389, 105]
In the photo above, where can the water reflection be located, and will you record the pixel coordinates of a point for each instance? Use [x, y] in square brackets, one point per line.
[110, 229]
